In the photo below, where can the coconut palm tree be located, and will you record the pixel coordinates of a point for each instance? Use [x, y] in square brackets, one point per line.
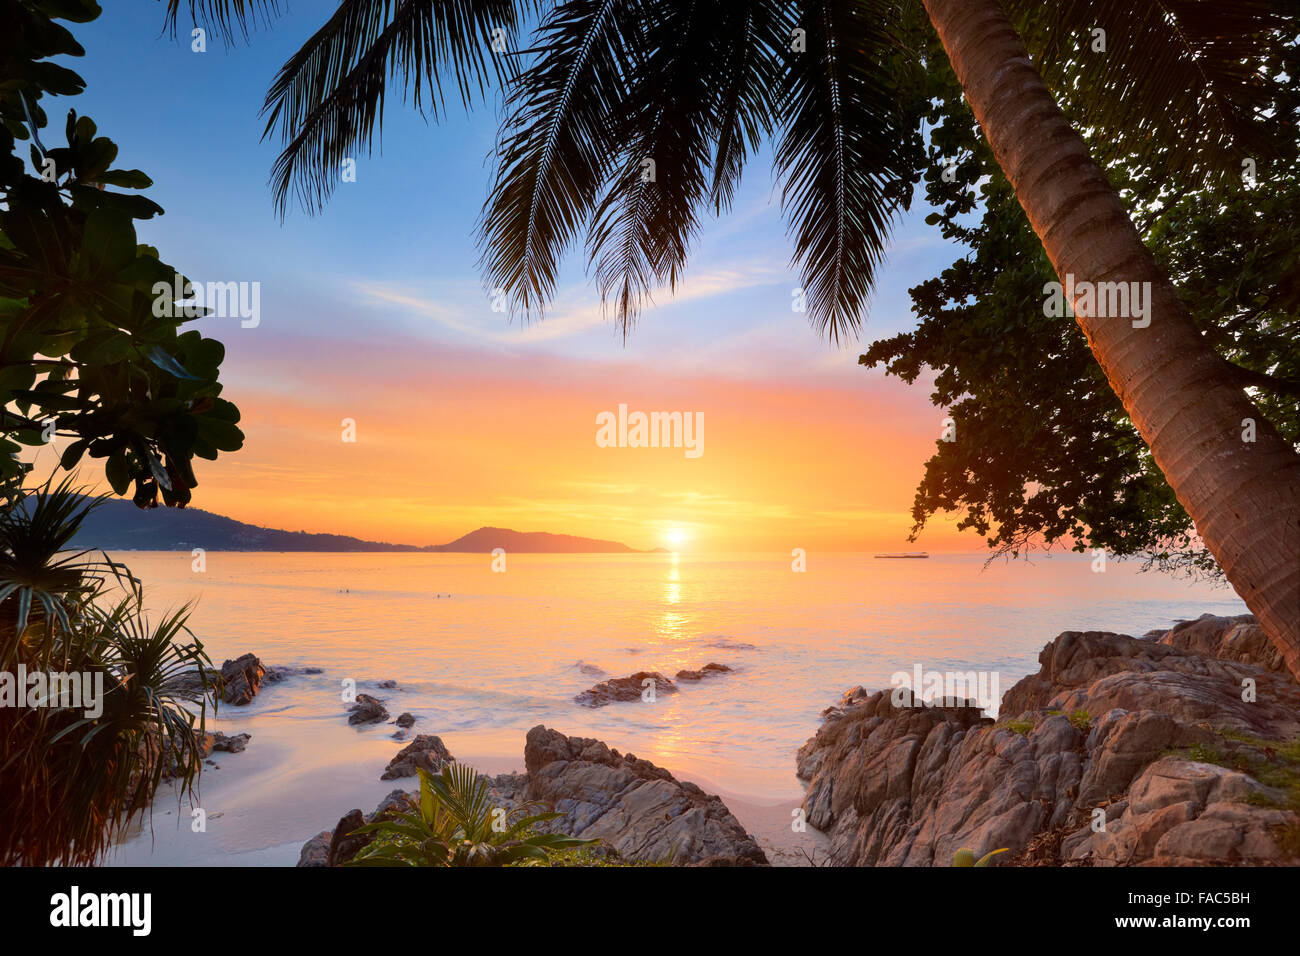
[628, 119]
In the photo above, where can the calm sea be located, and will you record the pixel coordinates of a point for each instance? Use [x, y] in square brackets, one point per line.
[480, 656]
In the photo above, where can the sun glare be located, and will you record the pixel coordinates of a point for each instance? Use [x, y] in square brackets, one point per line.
[675, 537]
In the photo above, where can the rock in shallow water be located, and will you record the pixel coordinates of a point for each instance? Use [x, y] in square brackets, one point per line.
[366, 710]
[241, 679]
[708, 670]
[622, 689]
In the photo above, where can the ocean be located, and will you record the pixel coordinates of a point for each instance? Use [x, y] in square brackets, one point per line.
[480, 656]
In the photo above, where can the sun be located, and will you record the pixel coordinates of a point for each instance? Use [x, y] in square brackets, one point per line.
[676, 536]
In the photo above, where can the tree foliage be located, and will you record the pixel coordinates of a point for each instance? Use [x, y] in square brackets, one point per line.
[1044, 452]
[92, 349]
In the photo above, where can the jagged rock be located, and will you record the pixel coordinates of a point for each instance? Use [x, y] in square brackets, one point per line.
[233, 744]
[1228, 638]
[708, 670]
[1184, 813]
[640, 810]
[387, 684]
[903, 785]
[338, 846]
[624, 689]
[316, 851]
[241, 679]
[344, 843]
[366, 710]
[404, 720]
[425, 752]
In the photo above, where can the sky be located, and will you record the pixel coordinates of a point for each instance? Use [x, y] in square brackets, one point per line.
[374, 311]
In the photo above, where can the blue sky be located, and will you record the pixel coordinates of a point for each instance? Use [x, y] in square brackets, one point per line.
[374, 310]
[395, 250]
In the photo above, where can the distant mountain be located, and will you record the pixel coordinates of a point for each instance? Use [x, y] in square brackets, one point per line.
[118, 525]
[524, 542]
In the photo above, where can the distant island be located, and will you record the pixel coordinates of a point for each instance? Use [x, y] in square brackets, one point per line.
[118, 525]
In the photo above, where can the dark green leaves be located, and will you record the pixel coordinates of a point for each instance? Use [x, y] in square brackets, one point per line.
[82, 353]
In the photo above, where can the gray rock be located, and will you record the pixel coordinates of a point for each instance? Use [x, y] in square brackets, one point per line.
[425, 752]
[909, 786]
[404, 720]
[640, 810]
[1228, 638]
[619, 689]
[338, 846]
[234, 744]
[366, 710]
[708, 670]
[241, 679]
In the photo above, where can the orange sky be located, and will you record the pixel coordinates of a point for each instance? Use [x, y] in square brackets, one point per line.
[450, 439]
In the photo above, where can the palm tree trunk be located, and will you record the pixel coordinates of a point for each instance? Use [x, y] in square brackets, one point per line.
[1243, 496]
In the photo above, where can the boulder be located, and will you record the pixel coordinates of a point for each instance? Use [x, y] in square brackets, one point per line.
[234, 744]
[241, 679]
[640, 810]
[404, 720]
[708, 670]
[338, 846]
[425, 752]
[366, 710]
[1108, 723]
[1185, 813]
[1228, 638]
[618, 689]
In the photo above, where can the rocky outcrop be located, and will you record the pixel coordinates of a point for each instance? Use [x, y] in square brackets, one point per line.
[236, 682]
[234, 744]
[620, 689]
[425, 752]
[640, 810]
[338, 846]
[367, 710]
[1118, 751]
[708, 670]
[1229, 638]
[241, 679]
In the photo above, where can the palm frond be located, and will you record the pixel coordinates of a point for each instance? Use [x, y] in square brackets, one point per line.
[557, 145]
[327, 101]
[848, 154]
[684, 107]
[758, 30]
[226, 16]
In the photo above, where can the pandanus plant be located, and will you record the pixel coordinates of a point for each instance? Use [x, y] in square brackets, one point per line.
[74, 777]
